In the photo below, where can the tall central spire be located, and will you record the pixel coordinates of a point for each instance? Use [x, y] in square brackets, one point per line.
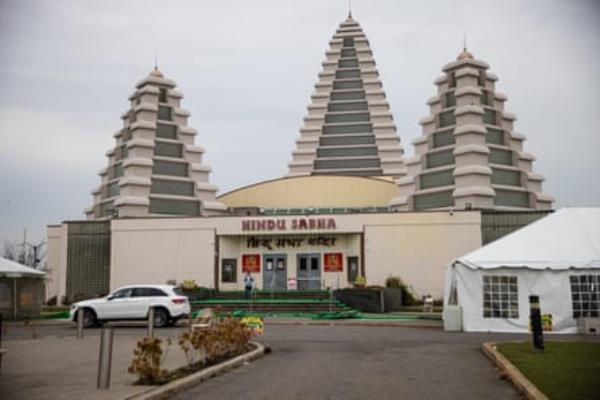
[349, 129]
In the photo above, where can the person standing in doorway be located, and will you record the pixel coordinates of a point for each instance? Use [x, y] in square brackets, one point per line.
[248, 283]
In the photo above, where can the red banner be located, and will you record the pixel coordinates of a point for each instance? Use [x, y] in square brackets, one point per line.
[333, 262]
[251, 263]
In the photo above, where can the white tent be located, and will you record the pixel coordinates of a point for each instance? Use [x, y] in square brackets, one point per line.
[556, 258]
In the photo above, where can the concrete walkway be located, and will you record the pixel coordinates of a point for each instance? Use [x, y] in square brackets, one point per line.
[66, 368]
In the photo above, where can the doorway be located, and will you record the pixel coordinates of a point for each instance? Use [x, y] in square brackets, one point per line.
[275, 272]
[308, 274]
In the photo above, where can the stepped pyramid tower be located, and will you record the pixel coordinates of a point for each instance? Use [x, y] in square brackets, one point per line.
[155, 168]
[469, 156]
[349, 129]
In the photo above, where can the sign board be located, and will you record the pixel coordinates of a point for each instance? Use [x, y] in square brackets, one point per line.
[251, 263]
[333, 262]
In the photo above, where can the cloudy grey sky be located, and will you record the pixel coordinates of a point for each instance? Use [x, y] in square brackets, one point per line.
[247, 69]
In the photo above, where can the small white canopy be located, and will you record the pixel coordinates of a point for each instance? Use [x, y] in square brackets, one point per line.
[543, 259]
[568, 238]
[12, 269]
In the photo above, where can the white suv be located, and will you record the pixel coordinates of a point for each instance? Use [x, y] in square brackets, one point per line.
[133, 302]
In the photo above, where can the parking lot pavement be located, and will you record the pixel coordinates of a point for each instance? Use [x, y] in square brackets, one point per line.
[59, 366]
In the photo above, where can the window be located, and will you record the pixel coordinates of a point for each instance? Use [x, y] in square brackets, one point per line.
[348, 163]
[166, 131]
[174, 207]
[353, 73]
[357, 117]
[353, 272]
[162, 95]
[443, 138]
[112, 189]
[354, 128]
[440, 158]
[164, 113]
[177, 188]
[481, 78]
[489, 117]
[348, 63]
[121, 294]
[148, 292]
[434, 200]
[348, 42]
[500, 297]
[500, 156]
[485, 98]
[117, 171]
[349, 106]
[229, 270]
[446, 118]
[450, 99]
[494, 136]
[585, 295]
[325, 152]
[511, 198]
[355, 95]
[506, 177]
[347, 85]
[436, 179]
[451, 80]
[168, 149]
[346, 140]
[348, 53]
[172, 168]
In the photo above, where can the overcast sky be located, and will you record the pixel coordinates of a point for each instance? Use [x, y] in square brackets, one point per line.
[247, 69]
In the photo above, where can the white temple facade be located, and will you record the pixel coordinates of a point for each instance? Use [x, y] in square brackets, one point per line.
[155, 168]
[349, 129]
[469, 155]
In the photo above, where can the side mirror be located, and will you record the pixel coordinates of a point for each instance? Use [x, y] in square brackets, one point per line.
[110, 297]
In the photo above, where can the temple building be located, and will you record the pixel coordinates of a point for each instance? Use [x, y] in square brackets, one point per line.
[155, 168]
[469, 155]
[343, 211]
[349, 129]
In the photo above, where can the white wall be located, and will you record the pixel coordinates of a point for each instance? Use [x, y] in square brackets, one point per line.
[142, 253]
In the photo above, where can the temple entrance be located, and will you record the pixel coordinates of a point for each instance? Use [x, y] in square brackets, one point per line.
[275, 272]
[309, 272]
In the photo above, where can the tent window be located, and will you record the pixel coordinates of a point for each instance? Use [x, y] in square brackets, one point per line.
[500, 297]
[585, 295]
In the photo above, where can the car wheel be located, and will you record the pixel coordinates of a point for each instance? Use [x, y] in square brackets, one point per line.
[89, 318]
[161, 317]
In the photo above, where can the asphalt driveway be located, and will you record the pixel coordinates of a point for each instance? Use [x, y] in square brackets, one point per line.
[343, 362]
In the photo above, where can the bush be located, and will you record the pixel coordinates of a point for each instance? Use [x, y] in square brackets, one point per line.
[51, 301]
[226, 339]
[395, 282]
[360, 282]
[148, 357]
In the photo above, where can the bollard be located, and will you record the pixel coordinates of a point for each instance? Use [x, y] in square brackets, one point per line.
[535, 319]
[80, 323]
[150, 322]
[105, 359]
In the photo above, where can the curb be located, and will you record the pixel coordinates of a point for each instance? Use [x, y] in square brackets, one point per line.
[360, 324]
[168, 390]
[520, 381]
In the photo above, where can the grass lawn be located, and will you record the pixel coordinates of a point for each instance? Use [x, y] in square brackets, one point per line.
[566, 370]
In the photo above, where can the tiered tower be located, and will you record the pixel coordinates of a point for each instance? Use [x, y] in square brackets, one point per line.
[349, 129]
[469, 156]
[155, 168]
